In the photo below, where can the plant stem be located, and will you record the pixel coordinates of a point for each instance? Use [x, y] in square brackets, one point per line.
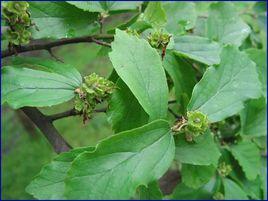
[51, 44]
[47, 128]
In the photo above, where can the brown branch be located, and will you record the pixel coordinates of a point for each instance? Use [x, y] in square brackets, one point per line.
[54, 56]
[73, 112]
[44, 123]
[101, 42]
[52, 44]
[69, 113]
[46, 127]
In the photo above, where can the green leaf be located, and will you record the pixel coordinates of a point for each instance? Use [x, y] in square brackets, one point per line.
[61, 20]
[183, 76]
[49, 183]
[203, 152]
[183, 192]
[178, 13]
[253, 118]
[197, 48]
[91, 6]
[259, 57]
[152, 192]
[140, 67]
[121, 163]
[195, 176]
[27, 87]
[125, 25]
[155, 14]
[125, 112]
[51, 66]
[105, 6]
[253, 188]
[223, 89]
[248, 156]
[232, 191]
[140, 26]
[224, 24]
[137, 23]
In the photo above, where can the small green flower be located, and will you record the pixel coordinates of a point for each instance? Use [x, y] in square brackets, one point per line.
[197, 122]
[17, 7]
[25, 37]
[13, 37]
[25, 19]
[224, 169]
[18, 19]
[158, 39]
[12, 18]
[94, 90]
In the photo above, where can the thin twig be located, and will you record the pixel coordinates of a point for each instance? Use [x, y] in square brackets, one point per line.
[69, 113]
[73, 112]
[101, 19]
[52, 44]
[54, 56]
[101, 42]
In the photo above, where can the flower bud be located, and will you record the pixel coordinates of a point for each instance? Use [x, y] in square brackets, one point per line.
[224, 169]
[94, 90]
[18, 19]
[159, 39]
[197, 122]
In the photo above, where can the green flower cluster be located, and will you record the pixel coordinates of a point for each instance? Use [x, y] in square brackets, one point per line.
[224, 169]
[18, 19]
[197, 123]
[94, 90]
[158, 39]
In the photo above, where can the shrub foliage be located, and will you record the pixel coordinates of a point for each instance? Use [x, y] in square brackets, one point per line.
[187, 94]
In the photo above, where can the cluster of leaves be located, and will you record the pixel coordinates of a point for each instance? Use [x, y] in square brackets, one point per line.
[216, 60]
[18, 19]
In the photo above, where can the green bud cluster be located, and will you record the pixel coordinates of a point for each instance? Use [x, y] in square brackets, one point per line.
[18, 19]
[94, 90]
[224, 169]
[197, 123]
[193, 126]
[159, 39]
